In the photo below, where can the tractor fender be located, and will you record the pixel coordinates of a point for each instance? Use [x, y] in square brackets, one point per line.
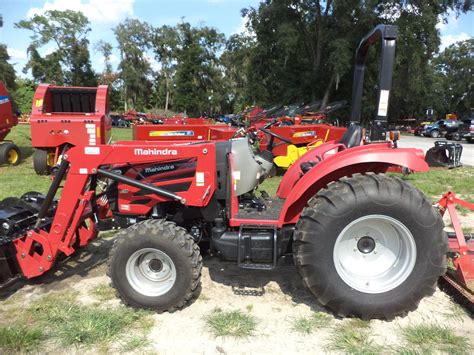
[376, 158]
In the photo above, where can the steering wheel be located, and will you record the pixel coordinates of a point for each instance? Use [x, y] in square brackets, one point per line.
[274, 135]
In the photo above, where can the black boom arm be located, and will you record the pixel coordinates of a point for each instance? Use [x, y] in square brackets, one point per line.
[387, 35]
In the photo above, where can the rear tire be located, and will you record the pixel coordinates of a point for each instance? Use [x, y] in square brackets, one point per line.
[10, 154]
[41, 162]
[344, 226]
[155, 265]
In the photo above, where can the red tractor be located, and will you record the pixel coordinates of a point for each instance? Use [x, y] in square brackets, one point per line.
[365, 244]
[63, 117]
[9, 152]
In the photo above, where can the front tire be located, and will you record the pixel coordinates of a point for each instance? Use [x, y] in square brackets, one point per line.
[155, 265]
[434, 133]
[370, 246]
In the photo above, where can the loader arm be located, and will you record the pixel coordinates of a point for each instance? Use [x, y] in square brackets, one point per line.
[74, 222]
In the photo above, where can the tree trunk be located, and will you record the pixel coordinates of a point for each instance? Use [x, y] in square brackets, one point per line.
[328, 90]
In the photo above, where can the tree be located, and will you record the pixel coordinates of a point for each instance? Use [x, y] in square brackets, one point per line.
[23, 95]
[454, 68]
[189, 60]
[133, 37]
[70, 61]
[7, 71]
[108, 76]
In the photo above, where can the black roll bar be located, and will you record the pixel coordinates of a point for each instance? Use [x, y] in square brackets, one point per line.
[387, 34]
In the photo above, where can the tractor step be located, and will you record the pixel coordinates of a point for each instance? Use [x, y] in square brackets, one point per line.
[256, 266]
[250, 246]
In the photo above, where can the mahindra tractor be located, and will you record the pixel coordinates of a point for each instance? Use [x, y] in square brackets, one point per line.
[9, 152]
[365, 244]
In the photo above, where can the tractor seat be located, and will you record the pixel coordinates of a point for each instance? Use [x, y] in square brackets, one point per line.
[352, 137]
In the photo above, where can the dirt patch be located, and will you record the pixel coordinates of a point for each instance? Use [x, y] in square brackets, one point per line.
[275, 298]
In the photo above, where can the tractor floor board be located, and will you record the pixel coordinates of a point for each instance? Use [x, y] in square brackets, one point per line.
[272, 212]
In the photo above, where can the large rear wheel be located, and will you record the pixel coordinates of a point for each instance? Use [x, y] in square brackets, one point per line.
[156, 265]
[370, 246]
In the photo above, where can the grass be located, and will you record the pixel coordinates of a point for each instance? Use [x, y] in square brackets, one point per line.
[353, 337]
[135, 343]
[456, 313]
[75, 324]
[103, 292]
[307, 325]
[231, 323]
[437, 181]
[428, 337]
[19, 338]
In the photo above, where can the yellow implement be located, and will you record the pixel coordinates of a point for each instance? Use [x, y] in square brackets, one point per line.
[293, 153]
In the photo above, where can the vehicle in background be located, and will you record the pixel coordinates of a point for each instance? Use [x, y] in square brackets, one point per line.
[434, 130]
[466, 129]
[450, 130]
[419, 128]
[119, 121]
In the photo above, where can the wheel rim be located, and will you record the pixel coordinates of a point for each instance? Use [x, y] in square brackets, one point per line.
[50, 159]
[12, 156]
[150, 272]
[374, 254]
[435, 134]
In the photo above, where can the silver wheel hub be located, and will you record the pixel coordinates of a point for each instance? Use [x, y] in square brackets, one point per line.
[374, 254]
[150, 272]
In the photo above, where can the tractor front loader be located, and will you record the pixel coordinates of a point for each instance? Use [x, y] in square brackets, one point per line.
[365, 244]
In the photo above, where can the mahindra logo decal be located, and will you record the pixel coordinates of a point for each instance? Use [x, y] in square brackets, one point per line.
[155, 151]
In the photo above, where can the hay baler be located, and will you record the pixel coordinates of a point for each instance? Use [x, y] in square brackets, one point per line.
[9, 152]
[64, 117]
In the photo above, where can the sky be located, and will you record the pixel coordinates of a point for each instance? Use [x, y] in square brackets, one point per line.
[105, 14]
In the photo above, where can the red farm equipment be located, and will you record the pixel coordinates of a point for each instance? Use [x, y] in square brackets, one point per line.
[9, 152]
[365, 244]
[64, 117]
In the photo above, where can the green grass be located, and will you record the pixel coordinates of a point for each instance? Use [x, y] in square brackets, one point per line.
[136, 342]
[76, 324]
[427, 337]
[19, 338]
[103, 292]
[307, 325]
[231, 323]
[353, 337]
[438, 181]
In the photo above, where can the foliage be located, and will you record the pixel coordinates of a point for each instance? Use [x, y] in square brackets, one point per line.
[190, 61]
[7, 71]
[23, 95]
[292, 51]
[69, 63]
[133, 37]
[453, 72]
